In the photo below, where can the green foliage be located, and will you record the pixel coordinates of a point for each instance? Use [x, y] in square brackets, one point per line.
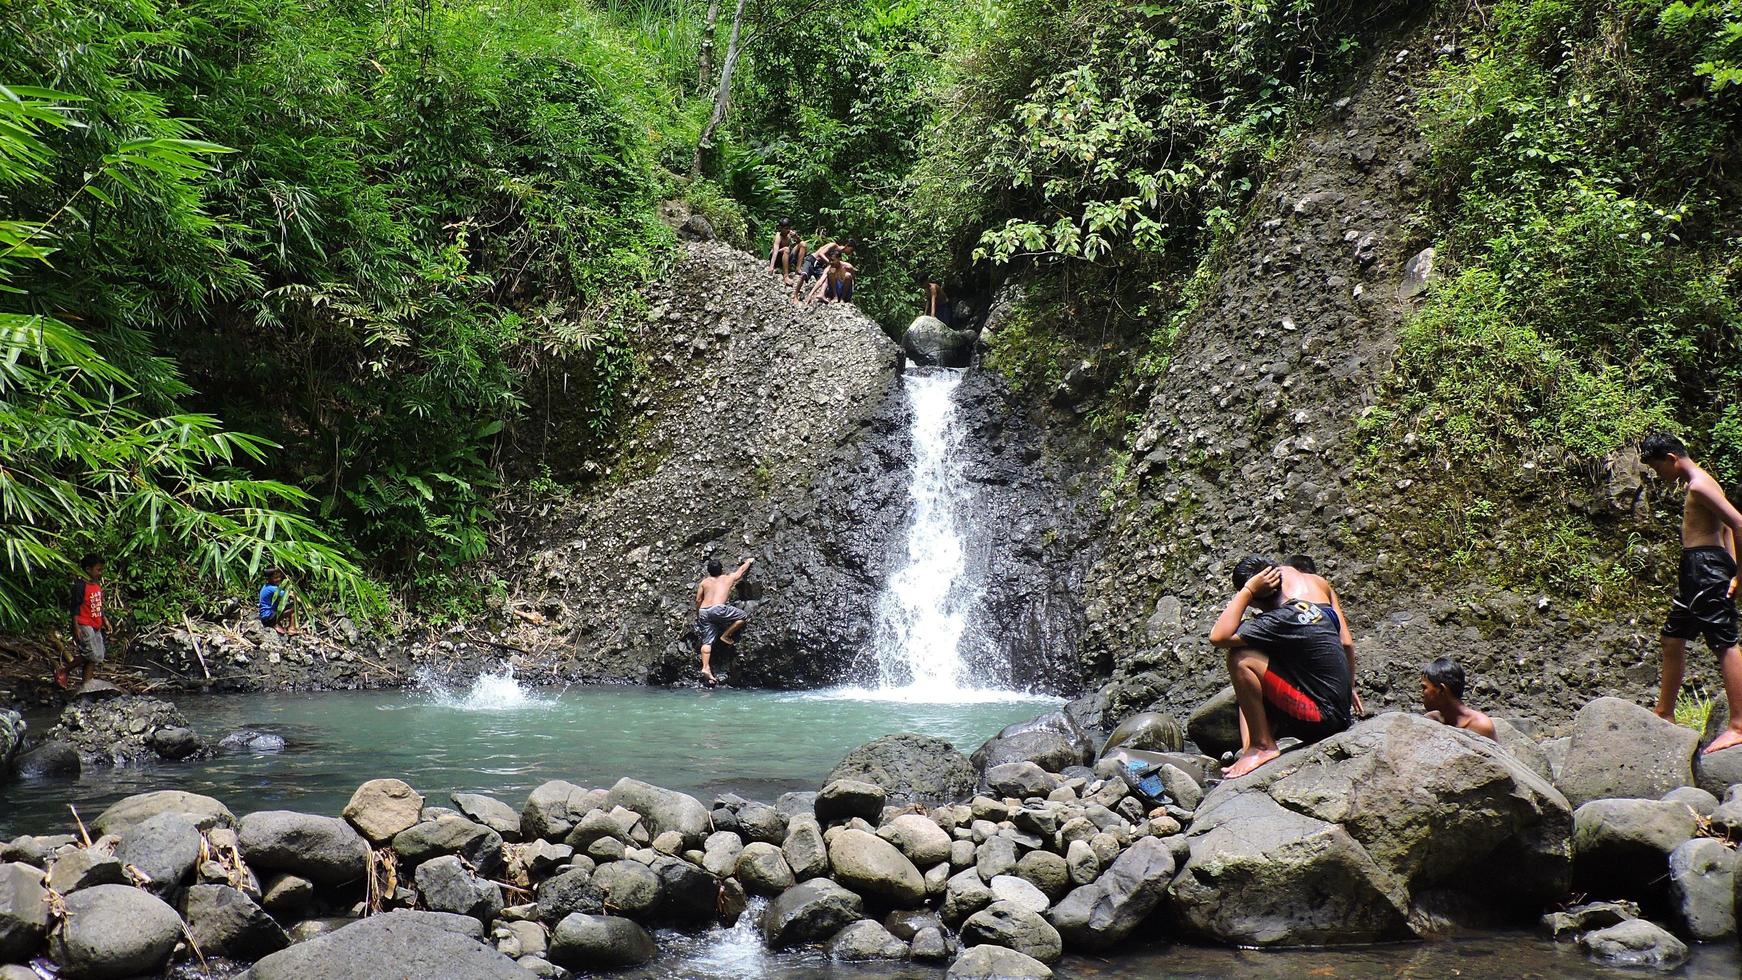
[428, 202]
[85, 462]
[1599, 293]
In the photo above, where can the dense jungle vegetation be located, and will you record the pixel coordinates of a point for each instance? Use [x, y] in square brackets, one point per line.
[274, 277]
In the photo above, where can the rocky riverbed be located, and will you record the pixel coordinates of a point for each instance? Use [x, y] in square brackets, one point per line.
[1041, 843]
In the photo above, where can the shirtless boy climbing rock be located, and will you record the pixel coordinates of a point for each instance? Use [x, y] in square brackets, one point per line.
[1705, 598]
[717, 619]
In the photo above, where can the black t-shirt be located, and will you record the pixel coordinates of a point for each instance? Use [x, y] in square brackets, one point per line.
[1303, 640]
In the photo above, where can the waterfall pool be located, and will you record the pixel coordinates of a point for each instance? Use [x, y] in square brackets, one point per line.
[499, 738]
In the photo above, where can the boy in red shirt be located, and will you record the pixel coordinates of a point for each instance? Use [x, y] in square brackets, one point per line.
[90, 628]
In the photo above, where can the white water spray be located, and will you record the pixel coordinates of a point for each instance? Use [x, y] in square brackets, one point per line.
[922, 613]
[489, 692]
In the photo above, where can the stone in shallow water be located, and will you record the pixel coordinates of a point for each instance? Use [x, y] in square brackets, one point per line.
[1635, 942]
[115, 931]
[997, 963]
[1567, 925]
[844, 799]
[583, 942]
[866, 940]
[402, 945]
[808, 912]
[1013, 927]
[872, 866]
[1702, 876]
[23, 910]
[225, 922]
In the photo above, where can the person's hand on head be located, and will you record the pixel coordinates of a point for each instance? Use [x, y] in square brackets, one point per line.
[1264, 582]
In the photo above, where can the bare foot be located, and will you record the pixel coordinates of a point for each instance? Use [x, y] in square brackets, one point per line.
[1250, 761]
[1728, 739]
[1667, 714]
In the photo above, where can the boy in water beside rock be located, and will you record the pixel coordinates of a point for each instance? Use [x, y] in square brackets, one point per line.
[1290, 663]
[1442, 694]
[1705, 598]
[717, 620]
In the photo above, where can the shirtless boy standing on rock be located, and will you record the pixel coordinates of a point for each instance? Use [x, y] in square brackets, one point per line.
[1292, 663]
[717, 620]
[1705, 598]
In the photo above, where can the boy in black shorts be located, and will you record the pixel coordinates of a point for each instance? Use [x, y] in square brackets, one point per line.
[1705, 598]
[1289, 668]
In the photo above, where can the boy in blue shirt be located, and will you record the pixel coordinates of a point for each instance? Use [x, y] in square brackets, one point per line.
[277, 605]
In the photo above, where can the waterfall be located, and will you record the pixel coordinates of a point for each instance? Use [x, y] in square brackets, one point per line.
[922, 611]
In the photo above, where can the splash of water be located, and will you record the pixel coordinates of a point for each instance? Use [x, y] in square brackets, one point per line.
[922, 612]
[497, 691]
[720, 953]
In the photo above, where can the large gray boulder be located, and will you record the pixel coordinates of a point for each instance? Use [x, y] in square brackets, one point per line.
[843, 799]
[164, 847]
[83, 867]
[566, 892]
[874, 867]
[929, 342]
[325, 850]
[1020, 779]
[450, 834]
[1718, 771]
[910, 769]
[446, 885]
[225, 922]
[115, 931]
[763, 869]
[553, 809]
[202, 811]
[866, 940]
[1635, 942]
[915, 835]
[585, 943]
[1620, 750]
[629, 887]
[401, 945]
[688, 895]
[23, 911]
[1152, 731]
[1702, 887]
[381, 808]
[1052, 742]
[1105, 912]
[662, 810]
[804, 850]
[1523, 748]
[808, 912]
[1343, 841]
[1014, 927]
[997, 963]
[1621, 848]
[490, 812]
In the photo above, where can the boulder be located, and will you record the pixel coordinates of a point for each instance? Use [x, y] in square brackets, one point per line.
[763, 870]
[445, 885]
[1013, 927]
[224, 922]
[866, 940]
[1215, 724]
[720, 852]
[1702, 889]
[325, 850]
[1103, 913]
[844, 799]
[808, 912]
[12, 729]
[287, 896]
[1620, 750]
[552, 809]
[1717, 772]
[918, 837]
[23, 911]
[1340, 842]
[910, 769]
[490, 812]
[1050, 748]
[761, 822]
[997, 963]
[402, 945]
[1181, 786]
[570, 891]
[49, 759]
[1621, 848]
[928, 341]
[997, 856]
[478, 844]
[1046, 871]
[164, 848]
[1694, 798]
[796, 804]
[115, 931]
[904, 924]
[1018, 892]
[381, 808]
[872, 866]
[1635, 942]
[804, 850]
[202, 811]
[662, 809]
[1151, 731]
[1019, 780]
[1573, 922]
[688, 895]
[83, 867]
[1523, 748]
[964, 894]
[930, 945]
[586, 943]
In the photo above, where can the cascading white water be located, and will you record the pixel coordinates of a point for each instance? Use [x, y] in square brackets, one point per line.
[921, 614]
[498, 691]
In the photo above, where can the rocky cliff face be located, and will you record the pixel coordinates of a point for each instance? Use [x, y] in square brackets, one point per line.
[1249, 445]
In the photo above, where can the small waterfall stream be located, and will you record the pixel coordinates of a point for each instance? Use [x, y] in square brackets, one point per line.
[922, 622]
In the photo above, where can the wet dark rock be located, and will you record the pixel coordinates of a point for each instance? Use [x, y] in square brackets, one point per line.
[585, 943]
[225, 922]
[910, 769]
[50, 759]
[249, 741]
[842, 799]
[1621, 848]
[808, 912]
[164, 848]
[866, 940]
[1152, 731]
[403, 945]
[23, 910]
[1635, 942]
[126, 730]
[688, 895]
[114, 931]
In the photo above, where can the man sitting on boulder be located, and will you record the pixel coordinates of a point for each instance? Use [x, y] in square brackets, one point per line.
[717, 620]
[1705, 598]
[1305, 565]
[1288, 663]
[1442, 694]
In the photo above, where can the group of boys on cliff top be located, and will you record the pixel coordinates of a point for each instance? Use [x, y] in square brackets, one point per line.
[1292, 661]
